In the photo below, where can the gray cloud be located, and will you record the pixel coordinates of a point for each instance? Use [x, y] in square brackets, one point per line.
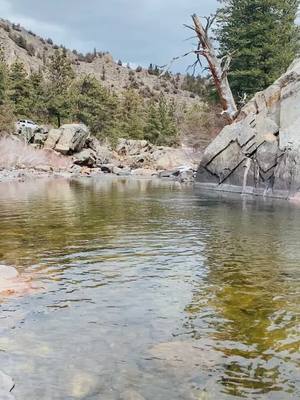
[139, 31]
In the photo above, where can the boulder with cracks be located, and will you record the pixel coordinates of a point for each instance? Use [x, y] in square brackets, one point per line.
[260, 152]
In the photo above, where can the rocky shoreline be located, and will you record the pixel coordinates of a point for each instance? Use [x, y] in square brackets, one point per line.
[72, 152]
[24, 174]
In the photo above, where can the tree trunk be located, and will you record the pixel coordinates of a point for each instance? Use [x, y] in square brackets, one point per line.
[219, 72]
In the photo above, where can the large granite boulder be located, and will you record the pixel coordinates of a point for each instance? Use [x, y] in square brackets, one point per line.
[72, 139]
[130, 147]
[68, 139]
[52, 138]
[260, 152]
[86, 157]
[103, 152]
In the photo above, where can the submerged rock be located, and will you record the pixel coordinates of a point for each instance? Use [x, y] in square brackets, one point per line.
[82, 384]
[8, 273]
[260, 152]
[12, 284]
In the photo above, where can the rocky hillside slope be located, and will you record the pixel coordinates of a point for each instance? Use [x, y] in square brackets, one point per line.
[260, 152]
[34, 52]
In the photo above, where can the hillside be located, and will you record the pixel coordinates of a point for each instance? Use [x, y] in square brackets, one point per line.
[34, 52]
[196, 122]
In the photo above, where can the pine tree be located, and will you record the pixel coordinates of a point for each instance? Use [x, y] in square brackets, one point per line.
[160, 125]
[60, 79]
[152, 128]
[95, 106]
[132, 115]
[38, 96]
[6, 110]
[19, 90]
[263, 38]
[166, 112]
[3, 77]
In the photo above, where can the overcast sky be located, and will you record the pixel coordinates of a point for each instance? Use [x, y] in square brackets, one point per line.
[136, 31]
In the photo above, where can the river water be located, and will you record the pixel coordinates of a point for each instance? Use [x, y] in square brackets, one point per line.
[149, 290]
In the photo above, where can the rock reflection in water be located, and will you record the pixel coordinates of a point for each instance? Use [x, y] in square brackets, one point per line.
[150, 292]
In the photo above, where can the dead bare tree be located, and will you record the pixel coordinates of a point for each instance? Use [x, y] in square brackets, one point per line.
[218, 67]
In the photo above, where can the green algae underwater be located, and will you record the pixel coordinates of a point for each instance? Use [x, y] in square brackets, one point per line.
[149, 290]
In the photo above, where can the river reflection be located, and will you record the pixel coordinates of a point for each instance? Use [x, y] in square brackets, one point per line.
[149, 290]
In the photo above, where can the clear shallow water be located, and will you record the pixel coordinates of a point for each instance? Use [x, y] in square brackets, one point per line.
[149, 289]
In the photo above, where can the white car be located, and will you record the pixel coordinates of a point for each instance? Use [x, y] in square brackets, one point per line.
[26, 123]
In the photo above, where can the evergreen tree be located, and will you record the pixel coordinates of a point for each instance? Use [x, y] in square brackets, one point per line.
[166, 114]
[95, 106]
[132, 115]
[3, 77]
[152, 128]
[60, 79]
[19, 90]
[38, 96]
[263, 38]
[6, 110]
[160, 125]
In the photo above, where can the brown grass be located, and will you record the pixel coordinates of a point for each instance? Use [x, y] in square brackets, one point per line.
[15, 153]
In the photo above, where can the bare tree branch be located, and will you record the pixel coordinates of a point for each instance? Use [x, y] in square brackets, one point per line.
[189, 27]
[166, 67]
[218, 67]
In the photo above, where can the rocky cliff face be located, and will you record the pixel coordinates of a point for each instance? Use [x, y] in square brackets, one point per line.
[260, 152]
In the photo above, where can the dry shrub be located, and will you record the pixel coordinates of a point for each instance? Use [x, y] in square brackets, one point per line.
[200, 124]
[15, 153]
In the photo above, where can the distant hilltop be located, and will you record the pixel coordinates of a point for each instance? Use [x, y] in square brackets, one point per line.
[34, 52]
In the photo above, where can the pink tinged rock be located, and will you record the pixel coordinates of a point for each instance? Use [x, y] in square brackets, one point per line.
[7, 272]
[12, 284]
